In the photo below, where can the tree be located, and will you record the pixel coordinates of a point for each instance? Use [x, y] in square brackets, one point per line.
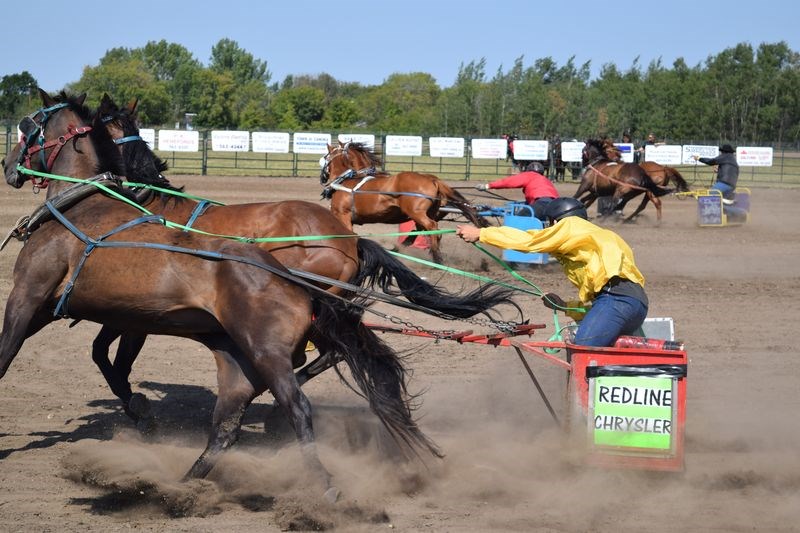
[17, 94]
[403, 103]
[227, 56]
[298, 107]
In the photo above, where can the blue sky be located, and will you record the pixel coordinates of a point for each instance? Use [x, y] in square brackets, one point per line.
[366, 41]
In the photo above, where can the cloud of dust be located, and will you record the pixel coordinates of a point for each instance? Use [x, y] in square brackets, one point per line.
[503, 454]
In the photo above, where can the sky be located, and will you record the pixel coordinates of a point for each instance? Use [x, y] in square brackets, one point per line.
[367, 41]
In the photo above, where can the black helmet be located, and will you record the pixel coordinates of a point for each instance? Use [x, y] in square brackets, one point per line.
[535, 166]
[565, 207]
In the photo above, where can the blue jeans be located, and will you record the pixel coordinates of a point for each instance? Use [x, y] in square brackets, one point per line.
[725, 189]
[610, 316]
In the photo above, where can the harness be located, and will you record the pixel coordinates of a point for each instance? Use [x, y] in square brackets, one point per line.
[31, 128]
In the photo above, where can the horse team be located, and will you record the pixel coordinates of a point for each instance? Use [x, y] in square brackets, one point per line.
[254, 305]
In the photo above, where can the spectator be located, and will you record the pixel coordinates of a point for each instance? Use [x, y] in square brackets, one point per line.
[651, 141]
[595, 259]
[727, 172]
[538, 190]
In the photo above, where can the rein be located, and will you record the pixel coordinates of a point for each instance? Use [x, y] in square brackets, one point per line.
[613, 180]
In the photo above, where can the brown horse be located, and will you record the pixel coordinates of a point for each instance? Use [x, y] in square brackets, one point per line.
[361, 194]
[662, 175]
[358, 262]
[234, 298]
[622, 181]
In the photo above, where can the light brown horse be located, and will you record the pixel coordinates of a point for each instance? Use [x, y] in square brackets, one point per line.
[621, 181]
[361, 194]
[97, 259]
[352, 261]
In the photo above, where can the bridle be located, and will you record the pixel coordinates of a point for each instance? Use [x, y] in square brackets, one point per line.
[341, 151]
[33, 141]
[121, 140]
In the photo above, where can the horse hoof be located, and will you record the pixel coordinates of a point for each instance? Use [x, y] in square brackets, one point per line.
[332, 495]
[139, 410]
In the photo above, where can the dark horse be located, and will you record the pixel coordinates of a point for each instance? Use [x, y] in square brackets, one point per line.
[354, 261]
[361, 194]
[237, 299]
[621, 181]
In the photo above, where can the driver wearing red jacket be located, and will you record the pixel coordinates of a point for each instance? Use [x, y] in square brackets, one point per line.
[538, 190]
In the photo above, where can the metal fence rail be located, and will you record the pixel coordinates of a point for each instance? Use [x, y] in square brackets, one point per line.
[784, 171]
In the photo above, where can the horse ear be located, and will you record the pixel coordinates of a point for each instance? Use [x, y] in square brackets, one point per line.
[47, 100]
[80, 99]
[131, 107]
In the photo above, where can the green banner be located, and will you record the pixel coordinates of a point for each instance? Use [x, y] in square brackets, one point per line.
[633, 412]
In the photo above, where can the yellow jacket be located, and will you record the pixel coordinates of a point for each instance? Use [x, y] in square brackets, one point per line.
[589, 254]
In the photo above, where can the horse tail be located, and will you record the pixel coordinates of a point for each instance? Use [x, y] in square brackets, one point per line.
[651, 185]
[378, 268]
[680, 183]
[447, 193]
[377, 370]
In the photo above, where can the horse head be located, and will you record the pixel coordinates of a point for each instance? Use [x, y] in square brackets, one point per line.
[611, 151]
[141, 164]
[593, 151]
[62, 121]
[348, 159]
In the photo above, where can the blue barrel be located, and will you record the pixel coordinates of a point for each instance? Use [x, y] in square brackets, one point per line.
[520, 215]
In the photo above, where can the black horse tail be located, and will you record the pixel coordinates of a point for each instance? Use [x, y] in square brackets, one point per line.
[379, 268]
[377, 370]
[463, 205]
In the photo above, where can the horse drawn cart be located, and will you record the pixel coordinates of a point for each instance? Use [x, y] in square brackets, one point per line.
[626, 404]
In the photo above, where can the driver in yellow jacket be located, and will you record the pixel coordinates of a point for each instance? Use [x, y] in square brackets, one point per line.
[595, 260]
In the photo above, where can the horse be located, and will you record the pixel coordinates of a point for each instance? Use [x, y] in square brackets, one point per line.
[361, 194]
[662, 175]
[234, 298]
[354, 261]
[622, 181]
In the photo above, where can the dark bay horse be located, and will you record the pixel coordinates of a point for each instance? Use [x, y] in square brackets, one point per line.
[622, 181]
[361, 194]
[237, 299]
[356, 261]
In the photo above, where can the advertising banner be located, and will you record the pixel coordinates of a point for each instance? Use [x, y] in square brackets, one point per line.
[367, 139]
[530, 150]
[405, 145]
[311, 143]
[230, 141]
[446, 146]
[178, 141]
[275, 142]
[489, 148]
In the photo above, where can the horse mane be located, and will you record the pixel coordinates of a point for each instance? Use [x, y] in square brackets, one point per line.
[374, 158]
[142, 165]
[109, 159]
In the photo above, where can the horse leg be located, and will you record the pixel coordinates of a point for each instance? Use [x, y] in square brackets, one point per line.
[426, 223]
[648, 196]
[641, 207]
[343, 211]
[237, 387]
[23, 318]
[136, 406]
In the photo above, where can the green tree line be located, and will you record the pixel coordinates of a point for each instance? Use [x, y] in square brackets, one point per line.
[742, 94]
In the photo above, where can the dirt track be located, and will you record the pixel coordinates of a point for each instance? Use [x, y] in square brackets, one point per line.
[70, 460]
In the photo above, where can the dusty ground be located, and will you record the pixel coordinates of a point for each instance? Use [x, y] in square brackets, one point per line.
[70, 460]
